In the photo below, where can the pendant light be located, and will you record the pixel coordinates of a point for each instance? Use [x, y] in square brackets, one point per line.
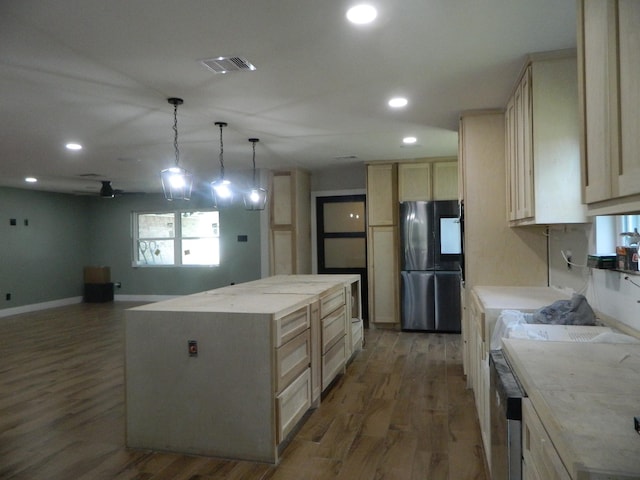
[221, 188]
[256, 198]
[176, 181]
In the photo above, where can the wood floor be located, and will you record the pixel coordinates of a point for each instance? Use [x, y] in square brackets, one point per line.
[400, 412]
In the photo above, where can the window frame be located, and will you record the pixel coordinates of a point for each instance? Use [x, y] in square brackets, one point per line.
[177, 238]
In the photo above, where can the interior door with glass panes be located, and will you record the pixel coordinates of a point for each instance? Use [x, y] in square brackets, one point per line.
[342, 239]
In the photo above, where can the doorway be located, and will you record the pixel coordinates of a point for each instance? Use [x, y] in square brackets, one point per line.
[342, 240]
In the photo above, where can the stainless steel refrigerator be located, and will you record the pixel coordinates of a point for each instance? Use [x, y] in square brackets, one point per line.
[431, 243]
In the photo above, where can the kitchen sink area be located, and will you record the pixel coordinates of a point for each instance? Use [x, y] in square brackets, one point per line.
[553, 400]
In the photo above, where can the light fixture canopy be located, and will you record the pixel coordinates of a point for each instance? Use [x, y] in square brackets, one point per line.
[221, 190]
[176, 181]
[256, 197]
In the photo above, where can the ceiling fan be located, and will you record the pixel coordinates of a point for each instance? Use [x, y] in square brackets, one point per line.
[106, 191]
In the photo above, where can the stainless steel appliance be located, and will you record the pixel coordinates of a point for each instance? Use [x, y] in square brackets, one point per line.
[431, 245]
[506, 419]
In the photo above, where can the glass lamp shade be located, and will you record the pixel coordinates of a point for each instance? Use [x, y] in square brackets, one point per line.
[255, 199]
[176, 183]
[221, 192]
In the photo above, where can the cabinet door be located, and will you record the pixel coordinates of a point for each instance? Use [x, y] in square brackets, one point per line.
[445, 181]
[383, 274]
[524, 148]
[382, 194]
[510, 153]
[282, 197]
[414, 182]
[599, 98]
[629, 54]
[282, 252]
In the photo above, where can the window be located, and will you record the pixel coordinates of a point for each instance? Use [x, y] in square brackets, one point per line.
[613, 231]
[176, 238]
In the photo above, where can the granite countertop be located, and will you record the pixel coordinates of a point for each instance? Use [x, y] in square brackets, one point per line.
[586, 395]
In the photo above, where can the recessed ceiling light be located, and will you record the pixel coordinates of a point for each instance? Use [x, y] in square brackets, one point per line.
[73, 146]
[362, 14]
[409, 140]
[31, 179]
[398, 102]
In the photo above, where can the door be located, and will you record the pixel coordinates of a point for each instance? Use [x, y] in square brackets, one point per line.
[342, 239]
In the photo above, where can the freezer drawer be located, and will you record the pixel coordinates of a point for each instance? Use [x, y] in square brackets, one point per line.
[418, 301]
[448, 311]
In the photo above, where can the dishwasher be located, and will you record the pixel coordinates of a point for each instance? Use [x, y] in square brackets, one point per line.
[505, 396]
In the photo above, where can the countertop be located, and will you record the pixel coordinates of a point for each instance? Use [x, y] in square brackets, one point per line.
[525, 299]
[586, 395]
[494, 299]
[279, 294]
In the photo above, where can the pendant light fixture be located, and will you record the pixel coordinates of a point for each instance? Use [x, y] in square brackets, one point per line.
[221, 187]
[256, 198]
[176, 181]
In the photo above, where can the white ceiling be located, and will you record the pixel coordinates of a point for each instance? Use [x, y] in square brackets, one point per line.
[100, 72]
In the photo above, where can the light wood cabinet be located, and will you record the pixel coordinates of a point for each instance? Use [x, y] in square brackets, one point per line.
[383, 275]
[290, 224]
[382, 244]
[382, 194]
[292, 403]
[479, 371]
[609, 66]
[540, 459]
[445, 180]
[542, 143]
[414, 182]
[428, 180]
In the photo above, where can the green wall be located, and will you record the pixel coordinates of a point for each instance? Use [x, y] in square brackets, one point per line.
[43, 262]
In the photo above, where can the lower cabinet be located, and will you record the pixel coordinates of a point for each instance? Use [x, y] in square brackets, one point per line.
[333, 362]
[478, 371]
[540, 459]
[292, 403]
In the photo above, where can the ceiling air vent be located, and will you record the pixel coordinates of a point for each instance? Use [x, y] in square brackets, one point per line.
[227, 64]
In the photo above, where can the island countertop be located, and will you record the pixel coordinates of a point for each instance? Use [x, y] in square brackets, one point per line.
[586, 395]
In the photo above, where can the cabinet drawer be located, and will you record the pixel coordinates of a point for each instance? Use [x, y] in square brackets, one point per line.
[333, 362]
[332, 300]
[292, 404]
[537, 448]
[291, 325]
[292, 358]
[333, 328]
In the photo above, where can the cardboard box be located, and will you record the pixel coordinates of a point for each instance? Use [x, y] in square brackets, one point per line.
[97, 274]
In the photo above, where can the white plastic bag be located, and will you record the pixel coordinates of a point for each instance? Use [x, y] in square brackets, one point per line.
[507, 322]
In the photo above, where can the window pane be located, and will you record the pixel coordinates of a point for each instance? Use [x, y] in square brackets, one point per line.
[201, 251]
[200, 224]
[155, 252]
[345, 253]
[156, 225]
[341, 217]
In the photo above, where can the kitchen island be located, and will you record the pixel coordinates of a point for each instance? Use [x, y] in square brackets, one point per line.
[578, 417]
[231, 372]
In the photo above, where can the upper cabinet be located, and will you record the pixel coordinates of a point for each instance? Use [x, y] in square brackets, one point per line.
[609, 68]
[382, 194]
[414, 181]
[542, 143]
[432, 180]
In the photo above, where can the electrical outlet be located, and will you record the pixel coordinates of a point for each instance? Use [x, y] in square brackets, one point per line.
[193, 348]
[8, 296]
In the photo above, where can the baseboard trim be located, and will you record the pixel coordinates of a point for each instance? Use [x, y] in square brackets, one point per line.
[34, 307]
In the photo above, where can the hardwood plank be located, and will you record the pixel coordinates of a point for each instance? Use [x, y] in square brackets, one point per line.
[401, 410]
